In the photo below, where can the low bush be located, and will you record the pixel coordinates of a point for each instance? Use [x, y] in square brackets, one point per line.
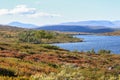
[104, 51]
[49, 46]
[6, 72]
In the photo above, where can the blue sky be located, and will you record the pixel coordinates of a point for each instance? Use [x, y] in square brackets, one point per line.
[44, 12]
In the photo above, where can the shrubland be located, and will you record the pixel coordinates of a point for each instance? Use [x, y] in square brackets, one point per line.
[26, 55]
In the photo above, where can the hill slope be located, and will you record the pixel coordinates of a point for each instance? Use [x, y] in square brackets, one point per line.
[73, 28]
[15, 34]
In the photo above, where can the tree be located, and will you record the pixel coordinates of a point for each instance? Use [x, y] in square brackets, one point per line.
[28, 36]
[32, 36]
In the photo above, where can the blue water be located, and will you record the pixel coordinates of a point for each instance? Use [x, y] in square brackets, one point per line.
[94, 42]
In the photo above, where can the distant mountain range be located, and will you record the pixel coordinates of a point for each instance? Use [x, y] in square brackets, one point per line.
[22, 25]
[95, 26]
[103, 23]
[74, 28]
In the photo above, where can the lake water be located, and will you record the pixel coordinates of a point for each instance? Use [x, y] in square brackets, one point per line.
[94, 42]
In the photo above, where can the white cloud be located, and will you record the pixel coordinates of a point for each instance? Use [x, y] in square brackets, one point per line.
[20, 9]
[3, 11]
[26, 11]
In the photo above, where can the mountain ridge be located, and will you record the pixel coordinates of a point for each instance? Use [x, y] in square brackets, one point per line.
[72, 28]
[92, 26]
[90, 23]
[105, 23]
[22, 25]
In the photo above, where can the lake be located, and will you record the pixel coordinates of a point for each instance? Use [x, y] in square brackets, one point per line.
[93, 42]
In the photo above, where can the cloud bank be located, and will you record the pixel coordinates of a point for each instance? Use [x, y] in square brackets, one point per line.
[26, 11]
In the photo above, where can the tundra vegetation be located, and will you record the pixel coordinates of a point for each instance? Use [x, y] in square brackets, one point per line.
[27, 55]
[115, 33]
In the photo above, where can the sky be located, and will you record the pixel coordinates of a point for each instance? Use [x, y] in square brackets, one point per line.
[45, 12]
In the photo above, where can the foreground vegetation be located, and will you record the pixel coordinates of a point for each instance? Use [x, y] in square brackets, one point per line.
[45, 62]
[27, 57]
